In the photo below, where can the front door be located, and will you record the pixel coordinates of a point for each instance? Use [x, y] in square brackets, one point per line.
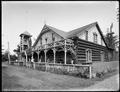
[88, 55]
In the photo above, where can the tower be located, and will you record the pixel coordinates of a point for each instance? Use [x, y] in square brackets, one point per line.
[25, 41]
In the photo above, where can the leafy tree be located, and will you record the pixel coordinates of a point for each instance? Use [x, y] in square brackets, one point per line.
[110, 39]
[17, 51]
[5, 56]
[13, 57]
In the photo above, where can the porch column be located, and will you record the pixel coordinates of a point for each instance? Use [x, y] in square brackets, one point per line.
[54, 55]
[45, 51]
[32, 58]
[22, 42]
[33, 61]
[26, 57]
[65, 52]
[90, 71]
[38, 55]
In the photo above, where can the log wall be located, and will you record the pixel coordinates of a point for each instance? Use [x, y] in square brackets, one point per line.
[83, 45]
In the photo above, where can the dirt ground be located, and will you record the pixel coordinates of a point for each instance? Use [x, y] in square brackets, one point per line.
[21, 78]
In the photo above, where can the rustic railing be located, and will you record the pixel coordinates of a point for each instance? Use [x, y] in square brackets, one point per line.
[58, 68]
[55, 44]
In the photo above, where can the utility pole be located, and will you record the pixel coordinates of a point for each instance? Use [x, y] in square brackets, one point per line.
[8, 54]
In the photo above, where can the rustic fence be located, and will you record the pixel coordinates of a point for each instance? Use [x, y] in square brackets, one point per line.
[68, 69]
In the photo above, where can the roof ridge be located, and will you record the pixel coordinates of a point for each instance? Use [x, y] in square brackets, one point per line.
[75, 31]
[58, 31]
[85, 25]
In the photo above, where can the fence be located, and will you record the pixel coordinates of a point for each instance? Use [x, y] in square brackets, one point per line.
[104, 67]
[68, 69]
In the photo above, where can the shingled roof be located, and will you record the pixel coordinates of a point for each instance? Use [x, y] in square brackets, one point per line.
[59, 32]
[78, 30]
[72, 33]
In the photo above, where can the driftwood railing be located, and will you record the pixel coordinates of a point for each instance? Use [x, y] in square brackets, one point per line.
[57, 67]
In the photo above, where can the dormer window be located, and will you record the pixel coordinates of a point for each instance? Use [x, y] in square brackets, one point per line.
[95, 37]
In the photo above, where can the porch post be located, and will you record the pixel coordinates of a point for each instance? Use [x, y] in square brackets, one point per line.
[38, 55]
[26, 57]
[33, 61]
[54, 55]
[45, 55]
[90, 71]
[32, 57]
[65, 52]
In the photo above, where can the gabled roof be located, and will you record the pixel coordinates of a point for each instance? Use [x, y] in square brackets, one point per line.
[57, 31]
[81, 29]
[78, 30]
[26, 33]
[71, 33]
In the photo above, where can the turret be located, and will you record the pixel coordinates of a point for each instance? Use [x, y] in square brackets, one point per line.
[25, 41]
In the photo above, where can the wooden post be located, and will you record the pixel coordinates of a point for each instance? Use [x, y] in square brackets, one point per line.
[45, 55]
[54, 55]
[22, 42]
[26, 57]
[45, 60]
[65, 52]
[90, 71]
[33, 61]
[38, 55]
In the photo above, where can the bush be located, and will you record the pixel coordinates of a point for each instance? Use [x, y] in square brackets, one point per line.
[100, 74]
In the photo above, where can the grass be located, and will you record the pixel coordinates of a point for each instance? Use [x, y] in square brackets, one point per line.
[9, 82]
[16, 77]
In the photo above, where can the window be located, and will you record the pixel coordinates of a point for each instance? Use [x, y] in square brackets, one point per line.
[86, 35]
[88, 55]
[94, 37]
[46, 40]
[53, 38]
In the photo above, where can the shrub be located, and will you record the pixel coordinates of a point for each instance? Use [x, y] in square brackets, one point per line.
[100, 74]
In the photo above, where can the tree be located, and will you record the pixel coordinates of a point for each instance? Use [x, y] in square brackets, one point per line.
[5, 56]
[110, 39]
[17, 51]
[13, 57]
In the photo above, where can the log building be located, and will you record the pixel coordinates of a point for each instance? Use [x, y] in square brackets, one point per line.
[80, 46]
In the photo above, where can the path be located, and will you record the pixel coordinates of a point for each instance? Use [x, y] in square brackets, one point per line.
[110, 84]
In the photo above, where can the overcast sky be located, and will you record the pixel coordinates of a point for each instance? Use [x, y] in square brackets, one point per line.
[18, 16]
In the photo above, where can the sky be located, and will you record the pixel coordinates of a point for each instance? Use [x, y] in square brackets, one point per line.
[20, 16]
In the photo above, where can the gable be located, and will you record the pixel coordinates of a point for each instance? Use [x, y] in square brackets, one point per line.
[91, 31]
[48, 34]
[81, 30]
[93, 27]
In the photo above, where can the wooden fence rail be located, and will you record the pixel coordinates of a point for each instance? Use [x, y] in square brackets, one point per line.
[51, 67]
